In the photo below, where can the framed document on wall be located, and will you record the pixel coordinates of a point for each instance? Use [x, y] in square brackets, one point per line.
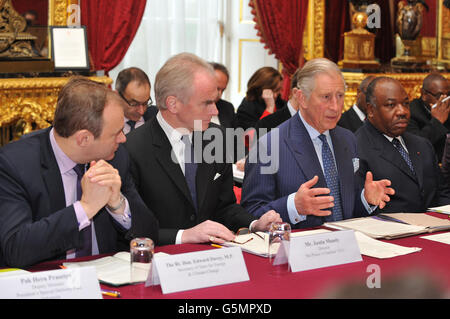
[69, 48]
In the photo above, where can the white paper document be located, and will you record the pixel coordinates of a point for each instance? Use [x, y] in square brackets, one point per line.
[375, 248]
[376, 228]
[112, 270]
[260, 247]
[441, 238]
[440, 209]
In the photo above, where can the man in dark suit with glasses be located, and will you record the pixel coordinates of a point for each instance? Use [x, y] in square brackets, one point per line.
[429, 113]
[133, 85]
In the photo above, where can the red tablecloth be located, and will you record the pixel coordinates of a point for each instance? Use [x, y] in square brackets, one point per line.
[431, 263]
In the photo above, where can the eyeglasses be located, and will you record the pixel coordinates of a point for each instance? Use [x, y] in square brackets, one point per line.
[245, 231]
[136, 104]
[437, 95]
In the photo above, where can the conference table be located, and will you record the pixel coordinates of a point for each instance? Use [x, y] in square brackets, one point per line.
[428, 268]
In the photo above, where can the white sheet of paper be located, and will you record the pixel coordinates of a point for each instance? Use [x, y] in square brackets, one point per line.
[69, 47]
[323, 250]
[199, 269]
[78, 283]
[441, 238]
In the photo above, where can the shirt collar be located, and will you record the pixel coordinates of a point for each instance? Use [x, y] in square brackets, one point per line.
[291, 108]
[172, 134]
[360, 113]
[313, 133]
[65, 164]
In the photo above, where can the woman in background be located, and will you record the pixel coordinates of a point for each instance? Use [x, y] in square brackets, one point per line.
[262, 98]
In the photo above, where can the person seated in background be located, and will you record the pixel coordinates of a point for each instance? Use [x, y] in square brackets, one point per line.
[226, 116]
[273, 120]
[67, 192]
[445, 168]
[133, 85]
[305, 168]
[262, 98]
[432, 122]
[353, 118]
[408, 160]
[190, 192]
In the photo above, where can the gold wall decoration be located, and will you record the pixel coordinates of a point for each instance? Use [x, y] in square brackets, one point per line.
[314, 34]
[28, 104]
[444, 35]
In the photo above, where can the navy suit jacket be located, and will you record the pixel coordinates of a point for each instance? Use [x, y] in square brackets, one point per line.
[412, 193]
[298, 163]
[36, 225]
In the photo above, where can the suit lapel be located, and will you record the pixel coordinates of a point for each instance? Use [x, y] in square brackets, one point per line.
[301, 146]
[51, 175]
[163, 154]
[389, 153]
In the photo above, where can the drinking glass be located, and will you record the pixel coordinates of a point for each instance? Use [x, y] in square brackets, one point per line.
[279, 238]
[141, 255]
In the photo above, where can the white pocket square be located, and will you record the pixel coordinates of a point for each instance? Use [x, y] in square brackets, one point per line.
[217, 176]
[355, 164]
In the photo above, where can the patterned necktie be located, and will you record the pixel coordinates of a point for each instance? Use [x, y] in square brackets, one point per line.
[190, 168]
[132, 124]
[398, 145]
[331, 177]
[85, 247]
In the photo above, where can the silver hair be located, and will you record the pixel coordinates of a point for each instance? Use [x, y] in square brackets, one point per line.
[306, 76]
[176, 77]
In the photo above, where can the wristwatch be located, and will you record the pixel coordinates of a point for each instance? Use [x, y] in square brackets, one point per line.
[122, 200]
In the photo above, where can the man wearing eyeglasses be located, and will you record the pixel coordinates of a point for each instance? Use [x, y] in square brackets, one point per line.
[133, 85]
[429, 113]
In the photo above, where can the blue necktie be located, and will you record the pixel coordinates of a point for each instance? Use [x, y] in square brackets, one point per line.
[190, 168]
[404, 154]
[85, 248]
[331, 177]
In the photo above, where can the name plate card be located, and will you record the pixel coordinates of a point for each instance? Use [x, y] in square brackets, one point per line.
[323, 250]
[198, 270]
[80, 283]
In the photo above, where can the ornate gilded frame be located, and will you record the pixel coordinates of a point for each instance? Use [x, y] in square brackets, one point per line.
[314, 34]
[57, 11]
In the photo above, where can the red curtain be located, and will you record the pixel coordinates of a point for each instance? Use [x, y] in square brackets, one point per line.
[111, 26]
[280, 26]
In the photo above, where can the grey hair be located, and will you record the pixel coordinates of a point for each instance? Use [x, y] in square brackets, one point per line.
[306, 76]
[176, 77]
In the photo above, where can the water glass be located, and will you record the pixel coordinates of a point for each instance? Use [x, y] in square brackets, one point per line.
[141, 255]
[279, 238]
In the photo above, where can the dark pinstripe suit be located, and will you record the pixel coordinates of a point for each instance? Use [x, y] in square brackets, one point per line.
[298, 163]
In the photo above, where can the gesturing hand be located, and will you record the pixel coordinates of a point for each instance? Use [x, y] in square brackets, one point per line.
[308, 202]
[377, 192]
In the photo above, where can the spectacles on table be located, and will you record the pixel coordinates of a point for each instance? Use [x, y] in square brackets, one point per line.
[245, 231]
[147, 104]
